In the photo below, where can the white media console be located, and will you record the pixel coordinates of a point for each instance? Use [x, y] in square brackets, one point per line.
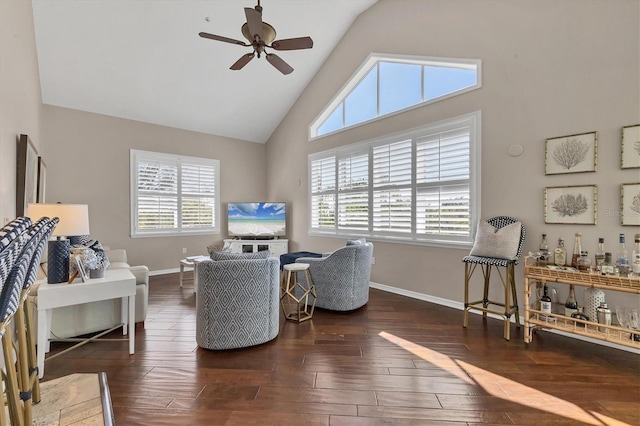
[276, 247]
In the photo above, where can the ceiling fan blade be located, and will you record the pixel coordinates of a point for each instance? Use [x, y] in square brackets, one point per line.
[293, 43]
[254, 21]
[240, 63]
[225, 39]
[277, 62]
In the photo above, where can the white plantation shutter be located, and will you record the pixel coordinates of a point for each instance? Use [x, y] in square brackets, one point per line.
[392, 178]
[173, 194]
[353, 195]
[323, 199]
[422, 186]
[443, 168]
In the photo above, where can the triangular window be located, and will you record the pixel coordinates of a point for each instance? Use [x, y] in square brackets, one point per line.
[387, 84]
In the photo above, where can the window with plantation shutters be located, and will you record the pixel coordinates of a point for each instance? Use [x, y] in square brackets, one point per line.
[421, 186]
[173, 194]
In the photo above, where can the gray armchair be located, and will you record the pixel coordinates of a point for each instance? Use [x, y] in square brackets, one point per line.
[237, 302]
[342, 277]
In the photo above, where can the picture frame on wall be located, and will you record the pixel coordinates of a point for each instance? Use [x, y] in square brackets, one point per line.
[630, 146]
[630, 204]
[42, 181]
[571, 204]
[571, 154]
[26, 174]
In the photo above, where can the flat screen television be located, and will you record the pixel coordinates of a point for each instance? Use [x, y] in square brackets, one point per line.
[257, 220]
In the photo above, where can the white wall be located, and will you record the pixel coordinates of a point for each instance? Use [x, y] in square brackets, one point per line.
[20, 99]
[550, 68]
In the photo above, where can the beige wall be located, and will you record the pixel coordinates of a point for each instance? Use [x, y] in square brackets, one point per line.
[550, 68]
[89, 163]
[20, 99]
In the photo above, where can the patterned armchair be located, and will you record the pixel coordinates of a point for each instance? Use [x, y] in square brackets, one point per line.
[342, 277]
[237, 302]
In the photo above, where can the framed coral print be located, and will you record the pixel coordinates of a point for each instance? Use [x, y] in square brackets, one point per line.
[26, 175]
[571, 154]
[631, 147]
[42, 180]
[571, 204]
[630, 200]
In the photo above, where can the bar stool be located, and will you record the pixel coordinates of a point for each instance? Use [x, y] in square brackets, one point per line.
[508, 279]
[38, 235]
[298, 299]
[9, 301]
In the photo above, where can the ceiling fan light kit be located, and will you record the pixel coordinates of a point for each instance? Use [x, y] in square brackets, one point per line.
[261, 36]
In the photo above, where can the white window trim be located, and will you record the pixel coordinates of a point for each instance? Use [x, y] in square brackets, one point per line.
[364, 69]
[474, 121]
[133, 191]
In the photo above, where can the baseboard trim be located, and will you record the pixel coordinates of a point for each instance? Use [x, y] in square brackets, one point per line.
[460, 306]
[164, 272]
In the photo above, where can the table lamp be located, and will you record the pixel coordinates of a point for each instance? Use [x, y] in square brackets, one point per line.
[74, 220]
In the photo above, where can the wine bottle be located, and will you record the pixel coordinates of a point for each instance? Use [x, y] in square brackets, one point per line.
[545, 304]
[571, 305]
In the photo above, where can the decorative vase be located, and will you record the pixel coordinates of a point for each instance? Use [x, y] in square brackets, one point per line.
[593, 297]
[96, 273]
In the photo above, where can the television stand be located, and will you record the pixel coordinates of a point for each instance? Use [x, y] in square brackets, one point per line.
[276, 247]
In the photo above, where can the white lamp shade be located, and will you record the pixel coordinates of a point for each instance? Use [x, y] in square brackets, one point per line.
[74, 218]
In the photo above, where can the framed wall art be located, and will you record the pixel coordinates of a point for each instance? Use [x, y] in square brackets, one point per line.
[571, 154]
[26, 175]
[571, 204]
[631, 147]
[42, 181]
[630, 204]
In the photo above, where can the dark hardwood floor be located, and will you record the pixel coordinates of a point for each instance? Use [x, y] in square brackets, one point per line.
[396, 361]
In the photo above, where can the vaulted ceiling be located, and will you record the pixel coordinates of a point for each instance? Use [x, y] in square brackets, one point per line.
[143, 60]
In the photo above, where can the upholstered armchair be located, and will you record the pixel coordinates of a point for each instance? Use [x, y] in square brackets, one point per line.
[237, 302]
[342, 277]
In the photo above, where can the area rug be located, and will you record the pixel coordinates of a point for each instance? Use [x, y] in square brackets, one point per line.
[76, 399]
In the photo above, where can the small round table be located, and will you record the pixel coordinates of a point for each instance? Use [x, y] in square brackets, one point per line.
[298, 293]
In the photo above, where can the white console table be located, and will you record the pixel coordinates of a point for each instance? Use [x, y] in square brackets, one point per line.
[116, 283]
[276, 247]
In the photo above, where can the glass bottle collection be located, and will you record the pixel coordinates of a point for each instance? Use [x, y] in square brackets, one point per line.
[604, 262]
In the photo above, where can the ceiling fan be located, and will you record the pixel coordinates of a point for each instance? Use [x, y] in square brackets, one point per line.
[261, 36]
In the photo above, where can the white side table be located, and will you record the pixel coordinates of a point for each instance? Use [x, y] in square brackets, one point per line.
[116, 284]
[191, 262]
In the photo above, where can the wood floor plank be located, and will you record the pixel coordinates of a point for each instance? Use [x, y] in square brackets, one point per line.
[397, 361]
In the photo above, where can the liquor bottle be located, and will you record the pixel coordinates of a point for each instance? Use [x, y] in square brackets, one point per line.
[584, 263]
[577, 250]
[636, 256]
[622, 258]
[608, 268]
[545, 304]
[571, 305]
[560, 254]
[599, 256]
[544, 251]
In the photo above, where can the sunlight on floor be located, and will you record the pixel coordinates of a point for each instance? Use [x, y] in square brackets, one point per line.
[502, 387]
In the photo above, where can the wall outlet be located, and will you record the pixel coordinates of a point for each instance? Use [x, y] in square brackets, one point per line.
[184, 250]
[373, 260]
